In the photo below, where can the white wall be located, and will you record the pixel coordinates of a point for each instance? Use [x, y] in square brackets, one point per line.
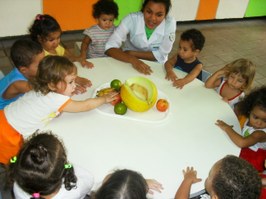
[17, 15]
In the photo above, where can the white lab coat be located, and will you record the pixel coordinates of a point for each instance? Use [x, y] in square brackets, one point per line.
[132, 31]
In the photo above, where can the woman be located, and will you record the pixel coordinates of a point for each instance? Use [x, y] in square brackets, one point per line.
[148, 35]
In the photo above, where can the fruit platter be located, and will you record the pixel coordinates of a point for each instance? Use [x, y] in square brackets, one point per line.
[138, 100]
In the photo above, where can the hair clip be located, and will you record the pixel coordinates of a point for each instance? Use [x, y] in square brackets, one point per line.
[13, 159]
[68, 166]
[36, 195]
[39, 17]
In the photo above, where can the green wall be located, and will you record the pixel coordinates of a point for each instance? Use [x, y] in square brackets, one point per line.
[256, 8]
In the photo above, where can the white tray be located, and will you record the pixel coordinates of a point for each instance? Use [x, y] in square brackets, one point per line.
[152, 115]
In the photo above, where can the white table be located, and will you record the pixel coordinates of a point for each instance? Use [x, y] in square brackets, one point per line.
[159, 150]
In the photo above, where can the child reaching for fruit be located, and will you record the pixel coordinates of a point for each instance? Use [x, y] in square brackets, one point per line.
[52, 89]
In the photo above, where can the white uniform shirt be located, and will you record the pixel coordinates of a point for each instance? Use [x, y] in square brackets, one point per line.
[132, 32]
[84, 185]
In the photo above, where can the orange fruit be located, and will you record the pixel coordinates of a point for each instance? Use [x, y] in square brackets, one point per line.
[120, 108]
[162, 105]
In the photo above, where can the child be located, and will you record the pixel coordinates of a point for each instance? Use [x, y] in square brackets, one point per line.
[126, 184]
[46, 31]
[54, 84]
[26, 56]
[252, 140]
[93, 44]
[41, 170]
[230, 177]
[190, 45]
[233, 80]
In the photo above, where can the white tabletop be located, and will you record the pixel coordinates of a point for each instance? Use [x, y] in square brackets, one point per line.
[160, 149]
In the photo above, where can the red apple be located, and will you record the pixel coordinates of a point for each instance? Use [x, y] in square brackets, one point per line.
[117, 100]
[162, 105]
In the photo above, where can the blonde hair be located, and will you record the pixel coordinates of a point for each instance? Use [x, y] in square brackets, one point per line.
[245, 68]
[52, 70]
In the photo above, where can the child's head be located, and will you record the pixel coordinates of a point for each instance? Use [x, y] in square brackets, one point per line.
[105, 11]
[123, 184]
[56, 74]
[41, 166]
[241, 73]
[46, 30]
[253, 106]
[233, 177]
[191, 43]
[26, 56]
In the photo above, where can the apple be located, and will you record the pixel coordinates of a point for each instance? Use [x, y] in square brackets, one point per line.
[117, 100]
[162, 105]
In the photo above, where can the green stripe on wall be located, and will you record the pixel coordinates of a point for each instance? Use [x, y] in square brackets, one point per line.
[256, 8]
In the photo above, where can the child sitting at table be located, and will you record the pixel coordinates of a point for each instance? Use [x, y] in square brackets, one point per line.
[252, 141]
[233, 80]
[41, 170]
[47, 31]
[93, 44]
[190, 45]
[52, 89]
[230, 177]
[26, 56]
[126, 184]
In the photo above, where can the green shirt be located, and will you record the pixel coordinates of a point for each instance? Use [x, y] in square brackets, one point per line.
[148, 32]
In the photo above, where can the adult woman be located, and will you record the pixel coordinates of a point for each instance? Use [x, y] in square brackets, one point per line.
[148, 35]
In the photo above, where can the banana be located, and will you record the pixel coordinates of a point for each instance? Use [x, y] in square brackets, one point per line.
[104, 91]
[140, 91]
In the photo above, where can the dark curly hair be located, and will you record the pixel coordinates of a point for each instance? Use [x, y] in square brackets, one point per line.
[108, 7]
[123, 184]
[236, 179]
[195, 36]
[39, 167]
[257, 97]
[167, 4]
[42, 26]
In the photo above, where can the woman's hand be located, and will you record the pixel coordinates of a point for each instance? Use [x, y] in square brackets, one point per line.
[141, 67]
[154, 185]
[82, 85]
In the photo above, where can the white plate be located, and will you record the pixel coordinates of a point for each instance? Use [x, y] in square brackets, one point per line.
[152, 115]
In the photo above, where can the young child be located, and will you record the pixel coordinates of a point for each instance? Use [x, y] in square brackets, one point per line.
[41, 170]
[230, 177]
[190, 44]
[233, 80]
[93, 44]
[47, 31]
[252, 140]
[126, 184]
[54, 84]
[26, 56]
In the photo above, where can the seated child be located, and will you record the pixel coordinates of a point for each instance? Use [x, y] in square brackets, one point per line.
[93, 44]
[46, 31]
[126, 184]
[26, 56]
[233, 80]
[52, 89]
[190, 45]
[252, 139]
[230, 177]
[41, 170]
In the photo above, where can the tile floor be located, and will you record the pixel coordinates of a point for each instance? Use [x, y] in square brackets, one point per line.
[225, 41]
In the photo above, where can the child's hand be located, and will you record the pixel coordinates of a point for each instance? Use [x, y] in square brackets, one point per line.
[190, 175]
[154, 185]
[179, 83]
[223, 125]
[110, 96]
[170, 75]
[86, 64]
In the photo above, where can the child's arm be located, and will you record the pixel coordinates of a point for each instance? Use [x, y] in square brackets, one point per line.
[154, 185]
[216, 78]
[73, 58]
[169, 65]
[190, 177]
[240, 141]
[16, 88]
[180, 83]
[89, 104]
[84, 48]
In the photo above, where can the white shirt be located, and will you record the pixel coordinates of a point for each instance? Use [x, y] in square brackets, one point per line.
[85, 182]
[132, 32]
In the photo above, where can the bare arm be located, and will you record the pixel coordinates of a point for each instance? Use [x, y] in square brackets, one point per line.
[169, 65]
[84, 47]
[215, 79]
[17, 88]
[147, 55]
[239, 140]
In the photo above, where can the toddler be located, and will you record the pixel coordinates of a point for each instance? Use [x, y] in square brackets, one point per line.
[52, 89]
[41, 170]
[190, 45]
[230, 177]
[233, 80]
[93, 44]
[26, 56]
[252, 140]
